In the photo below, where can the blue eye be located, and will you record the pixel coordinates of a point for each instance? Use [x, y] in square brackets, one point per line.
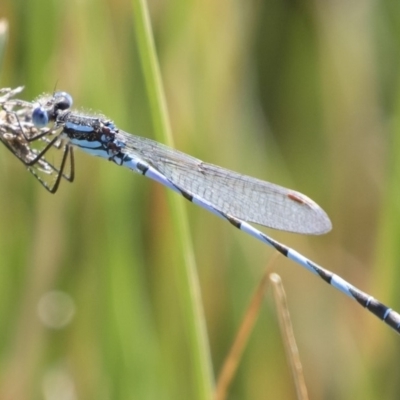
[40, 117]
[63, 100]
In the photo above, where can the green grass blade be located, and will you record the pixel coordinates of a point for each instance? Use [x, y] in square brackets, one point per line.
[188, 285]
[3, 38]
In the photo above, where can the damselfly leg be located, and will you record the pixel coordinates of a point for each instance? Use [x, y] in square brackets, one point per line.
[33, 146]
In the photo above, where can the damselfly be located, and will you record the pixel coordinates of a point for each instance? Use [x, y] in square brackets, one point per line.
[237, 198]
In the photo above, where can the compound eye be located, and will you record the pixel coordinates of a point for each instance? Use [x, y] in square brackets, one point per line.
[63, 100]
[40, 117]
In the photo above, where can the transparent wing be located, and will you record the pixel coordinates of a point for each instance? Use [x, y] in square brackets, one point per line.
[240, 196]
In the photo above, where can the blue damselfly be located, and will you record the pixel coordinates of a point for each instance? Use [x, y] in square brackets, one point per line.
[237, 198]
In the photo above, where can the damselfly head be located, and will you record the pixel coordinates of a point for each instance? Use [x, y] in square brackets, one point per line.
[48, 110]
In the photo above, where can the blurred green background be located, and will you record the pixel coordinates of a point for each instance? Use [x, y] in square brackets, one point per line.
[302, 93]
